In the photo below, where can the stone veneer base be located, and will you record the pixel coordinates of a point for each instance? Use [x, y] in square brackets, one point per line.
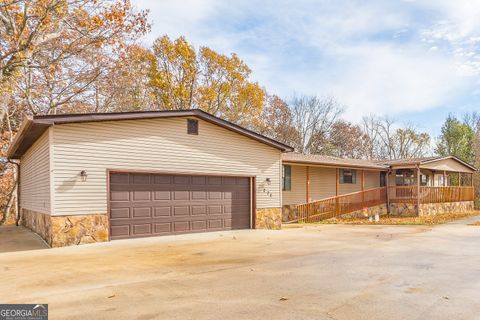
[38, 222]
[60, 231]
[381, 210]
[268, 218]
[431, 209]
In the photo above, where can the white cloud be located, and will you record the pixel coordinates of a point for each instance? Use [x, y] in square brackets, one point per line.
[379, 57]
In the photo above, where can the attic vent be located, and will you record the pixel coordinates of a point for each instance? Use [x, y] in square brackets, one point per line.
[192, 126]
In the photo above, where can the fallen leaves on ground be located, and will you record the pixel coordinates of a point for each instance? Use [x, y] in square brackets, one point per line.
[425, 220]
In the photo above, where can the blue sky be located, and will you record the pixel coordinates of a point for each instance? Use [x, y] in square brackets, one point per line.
[415, 61]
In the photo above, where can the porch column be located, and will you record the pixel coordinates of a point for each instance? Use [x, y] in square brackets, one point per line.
[418, 190]
[444, 178]
[363, 186]
[387, 191]
[308, 184]
[459, 179]
[337, 174]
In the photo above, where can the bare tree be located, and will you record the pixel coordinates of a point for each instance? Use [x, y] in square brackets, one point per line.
[313, 118]
[386, 140]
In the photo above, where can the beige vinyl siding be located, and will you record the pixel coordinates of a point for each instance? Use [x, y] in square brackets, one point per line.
[372, 179]
[297, 194]
[323, 183]
[35, 176]
[161, 145]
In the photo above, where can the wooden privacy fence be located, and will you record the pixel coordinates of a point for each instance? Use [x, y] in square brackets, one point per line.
[336, 206]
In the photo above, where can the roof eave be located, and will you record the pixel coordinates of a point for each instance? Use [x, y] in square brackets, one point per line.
[46, 121]
[24, 127]
[331, 165]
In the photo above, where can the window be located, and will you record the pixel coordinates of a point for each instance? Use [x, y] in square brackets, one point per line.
[383, 179]
[286, 178]
[404, 177]
[423, 180]
[348, 176]
[192, 126]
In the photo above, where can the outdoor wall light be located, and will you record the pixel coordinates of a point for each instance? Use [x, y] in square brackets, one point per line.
[268, 181]
[84, 175]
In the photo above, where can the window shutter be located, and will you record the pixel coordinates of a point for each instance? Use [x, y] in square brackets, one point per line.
[341, 176]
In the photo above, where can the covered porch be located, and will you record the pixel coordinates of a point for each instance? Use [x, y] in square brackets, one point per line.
[418, 183]
[412, 187]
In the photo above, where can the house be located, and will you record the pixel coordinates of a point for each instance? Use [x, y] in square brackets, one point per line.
[98, 177]
[316, 187]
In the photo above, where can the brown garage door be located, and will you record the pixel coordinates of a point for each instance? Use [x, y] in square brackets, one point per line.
[144, 205]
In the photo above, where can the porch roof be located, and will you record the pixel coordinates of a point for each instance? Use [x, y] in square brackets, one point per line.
[437, 163]
[328, 161]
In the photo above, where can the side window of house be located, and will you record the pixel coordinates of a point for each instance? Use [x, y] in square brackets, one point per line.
[348, 176]
[286, 178]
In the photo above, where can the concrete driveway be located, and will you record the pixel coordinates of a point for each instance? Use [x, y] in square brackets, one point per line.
[13, 238]
[321, 272]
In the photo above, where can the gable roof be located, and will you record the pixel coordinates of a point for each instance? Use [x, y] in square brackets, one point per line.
[317, 159]
[425, 160]
[33, 127]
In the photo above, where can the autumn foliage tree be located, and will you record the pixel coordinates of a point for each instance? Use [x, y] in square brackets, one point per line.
[184, 78]
[54, 54]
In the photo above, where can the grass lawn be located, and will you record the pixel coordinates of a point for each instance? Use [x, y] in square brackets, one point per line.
[427, 220]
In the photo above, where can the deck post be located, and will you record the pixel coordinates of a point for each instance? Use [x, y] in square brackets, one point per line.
[418, 190]
[337, 177]
[387, 191]
[308, 184]
[363, 188]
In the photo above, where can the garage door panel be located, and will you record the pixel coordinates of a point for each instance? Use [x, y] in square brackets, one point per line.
[140, 179]
[120, 196]
[199, 225]
[199, 210]
[181, 195]
[181, 226]
[162, 211]
[119, 231]
[154, 204]
[163, 228]
[120, 213]
[141, 229]
[142, 212]
[162, 195]
[141, 195]
[215, 224]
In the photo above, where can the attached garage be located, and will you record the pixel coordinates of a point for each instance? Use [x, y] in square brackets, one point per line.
[142, 204]
[98, 177]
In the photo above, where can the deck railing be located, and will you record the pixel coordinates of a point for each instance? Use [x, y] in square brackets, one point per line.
[430, 194]
[335, 206]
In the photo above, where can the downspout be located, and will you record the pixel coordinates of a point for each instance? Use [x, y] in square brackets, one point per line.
[17, 195]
